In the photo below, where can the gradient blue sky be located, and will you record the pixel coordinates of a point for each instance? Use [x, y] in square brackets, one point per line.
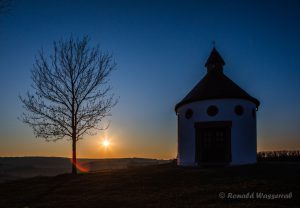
[160, 48]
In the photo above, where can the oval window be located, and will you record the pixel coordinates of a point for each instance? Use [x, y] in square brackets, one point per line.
[239, 110]
[188, 113]
[212, 110]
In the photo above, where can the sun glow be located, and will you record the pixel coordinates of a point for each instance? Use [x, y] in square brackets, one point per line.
[106, 143]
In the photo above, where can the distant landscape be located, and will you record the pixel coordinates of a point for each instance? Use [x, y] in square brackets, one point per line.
[12, 168]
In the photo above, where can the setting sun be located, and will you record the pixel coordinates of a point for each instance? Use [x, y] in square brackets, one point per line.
[106, 143]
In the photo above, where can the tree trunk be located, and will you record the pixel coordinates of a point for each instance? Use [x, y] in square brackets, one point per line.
[74, 159]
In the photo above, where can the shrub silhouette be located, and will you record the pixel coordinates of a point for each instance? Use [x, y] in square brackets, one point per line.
[284, 156]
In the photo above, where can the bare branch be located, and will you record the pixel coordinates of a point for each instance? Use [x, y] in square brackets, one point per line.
[70, 91]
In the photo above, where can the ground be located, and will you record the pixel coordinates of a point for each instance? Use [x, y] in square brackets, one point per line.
[163, 185]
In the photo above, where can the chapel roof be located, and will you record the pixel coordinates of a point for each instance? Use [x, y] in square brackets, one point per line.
[215, 84]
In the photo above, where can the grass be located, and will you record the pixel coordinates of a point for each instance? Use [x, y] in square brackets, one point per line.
[158, 186]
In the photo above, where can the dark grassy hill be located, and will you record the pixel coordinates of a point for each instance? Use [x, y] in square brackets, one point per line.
[158, 186]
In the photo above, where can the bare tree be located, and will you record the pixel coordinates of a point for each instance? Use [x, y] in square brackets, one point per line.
[71, 94]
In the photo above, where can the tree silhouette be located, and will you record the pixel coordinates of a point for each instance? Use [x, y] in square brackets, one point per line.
[71, 94]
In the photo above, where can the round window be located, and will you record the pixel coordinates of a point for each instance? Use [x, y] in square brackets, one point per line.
[188, 113]
[239, 110]
[212, 110]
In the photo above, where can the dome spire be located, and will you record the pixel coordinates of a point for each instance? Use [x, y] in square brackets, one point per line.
[214, 62]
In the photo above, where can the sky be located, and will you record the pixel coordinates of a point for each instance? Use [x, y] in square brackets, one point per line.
[160, 48]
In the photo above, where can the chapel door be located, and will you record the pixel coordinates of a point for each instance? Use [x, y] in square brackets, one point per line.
[213, 143]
